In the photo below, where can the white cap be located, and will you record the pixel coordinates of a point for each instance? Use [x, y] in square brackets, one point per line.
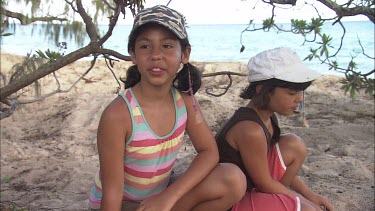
[280, 63]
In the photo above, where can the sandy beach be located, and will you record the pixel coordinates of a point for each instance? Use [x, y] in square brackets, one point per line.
[49, 156]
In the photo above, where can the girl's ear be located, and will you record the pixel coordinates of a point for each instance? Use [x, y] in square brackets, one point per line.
[258, 88]
[132, 54]
[186, 55]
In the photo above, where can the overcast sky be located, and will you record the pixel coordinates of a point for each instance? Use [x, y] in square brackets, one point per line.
[226, 11]
[238, 11]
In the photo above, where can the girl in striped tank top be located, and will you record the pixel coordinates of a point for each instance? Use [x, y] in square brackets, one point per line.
[141, 131]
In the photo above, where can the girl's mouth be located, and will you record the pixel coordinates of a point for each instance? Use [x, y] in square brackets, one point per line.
[156, 70]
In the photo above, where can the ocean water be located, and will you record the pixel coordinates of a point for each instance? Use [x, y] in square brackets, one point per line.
[221, 43]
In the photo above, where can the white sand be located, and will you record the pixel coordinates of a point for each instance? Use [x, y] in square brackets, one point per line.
[49, 156]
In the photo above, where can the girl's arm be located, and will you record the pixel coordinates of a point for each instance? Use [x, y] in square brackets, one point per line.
[300, 187]
[249, 138]
[111, 146]
[205, 145]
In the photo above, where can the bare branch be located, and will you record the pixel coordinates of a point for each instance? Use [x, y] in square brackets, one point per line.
[289, 2]
[114, 75]
[44, 70]
[352, 11]
[363, 50]
[342, 38]
[44, 96]
[4, 77]
[58, 90]
[209, 89]
[105, 52]
[226, 88]
[6, 112]
[25, 20]
[112, 23]
[341, 10]
[72, 5]
[222, 73]
[90, 26]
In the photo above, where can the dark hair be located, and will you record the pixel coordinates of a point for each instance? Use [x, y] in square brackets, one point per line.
[181, 81]
[261, 99]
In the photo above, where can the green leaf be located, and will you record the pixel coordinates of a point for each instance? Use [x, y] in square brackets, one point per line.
[322, 51]
[268, 23]
[346, 88]
[41, 54]
[6, 179]
[352, 93]
[6, 34]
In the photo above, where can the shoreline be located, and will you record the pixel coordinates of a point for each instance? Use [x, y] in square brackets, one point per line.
[49, 156]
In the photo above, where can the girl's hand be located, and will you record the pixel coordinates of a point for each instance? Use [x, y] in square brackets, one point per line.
[160, 202]
[322, 202]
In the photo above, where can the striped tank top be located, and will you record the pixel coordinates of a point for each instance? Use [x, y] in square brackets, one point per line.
[149, 158]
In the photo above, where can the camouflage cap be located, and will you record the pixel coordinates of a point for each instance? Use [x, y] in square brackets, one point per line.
[164, 16]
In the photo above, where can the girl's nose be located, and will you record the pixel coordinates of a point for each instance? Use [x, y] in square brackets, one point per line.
[300, 97]
[156, 54]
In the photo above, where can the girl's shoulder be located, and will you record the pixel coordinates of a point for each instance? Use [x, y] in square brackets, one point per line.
[248, 128]
[246, 134]
[116, 110]
[246, 124]
[187, 99]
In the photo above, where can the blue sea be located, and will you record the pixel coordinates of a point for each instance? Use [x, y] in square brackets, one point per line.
[221, 43]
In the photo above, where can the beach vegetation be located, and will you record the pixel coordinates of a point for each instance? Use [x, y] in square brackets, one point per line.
[74, 19]
[77, 19]
[323, 50]
[6, 179]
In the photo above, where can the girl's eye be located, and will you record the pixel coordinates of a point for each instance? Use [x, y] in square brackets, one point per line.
[292, 92]
[143, 46]
[167, 46]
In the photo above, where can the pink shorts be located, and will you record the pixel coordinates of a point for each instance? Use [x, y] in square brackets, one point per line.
[258, 201]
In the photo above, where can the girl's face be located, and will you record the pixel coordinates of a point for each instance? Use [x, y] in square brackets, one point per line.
[158, 55]
[284, 101]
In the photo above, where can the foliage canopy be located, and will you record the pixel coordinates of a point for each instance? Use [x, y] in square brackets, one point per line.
[355, 79]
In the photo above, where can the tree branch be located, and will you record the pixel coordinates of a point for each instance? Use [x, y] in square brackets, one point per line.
[44, 70]
[6, 112]
[363, 50]
[116, 54]
[113, 73]
[226, 88]
[90, 26]
[25, 20]
[353, 11]
[58, 90]
[112, 23]
[4, 77]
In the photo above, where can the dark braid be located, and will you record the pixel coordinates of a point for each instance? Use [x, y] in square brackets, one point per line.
[181, 81]
[132, 77]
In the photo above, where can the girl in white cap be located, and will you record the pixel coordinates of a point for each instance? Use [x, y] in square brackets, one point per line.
[141, 131]
[252, 140]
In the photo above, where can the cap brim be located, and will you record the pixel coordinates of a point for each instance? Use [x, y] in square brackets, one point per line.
[299, 73]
